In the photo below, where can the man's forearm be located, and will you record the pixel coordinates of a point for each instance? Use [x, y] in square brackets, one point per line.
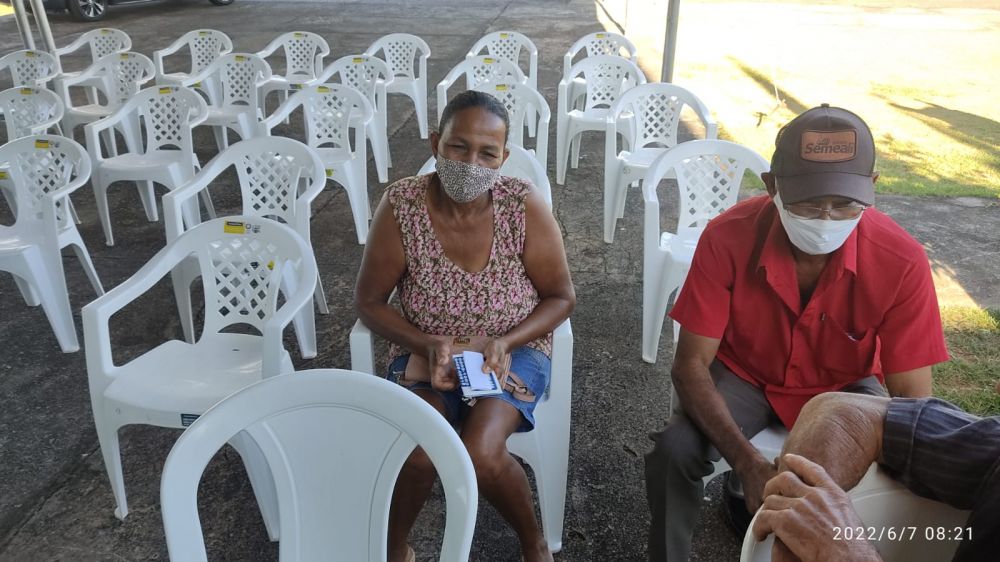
[842, 432]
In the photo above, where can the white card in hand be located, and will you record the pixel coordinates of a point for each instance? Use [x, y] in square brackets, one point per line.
[478, 380]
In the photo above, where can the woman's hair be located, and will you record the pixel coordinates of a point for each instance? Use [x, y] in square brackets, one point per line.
[474, 98]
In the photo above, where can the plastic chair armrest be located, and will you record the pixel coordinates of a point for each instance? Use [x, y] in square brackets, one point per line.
[73, 47]
[275, 326]
[165, 52]
[271, 47]
[362, 343]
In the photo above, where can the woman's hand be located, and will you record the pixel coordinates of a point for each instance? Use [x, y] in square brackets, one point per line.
[496, 356]
[443, 374]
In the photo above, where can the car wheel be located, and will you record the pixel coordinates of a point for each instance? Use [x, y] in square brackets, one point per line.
[221, 2]
[87, 10]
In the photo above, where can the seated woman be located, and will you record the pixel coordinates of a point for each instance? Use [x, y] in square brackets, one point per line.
[473, 253]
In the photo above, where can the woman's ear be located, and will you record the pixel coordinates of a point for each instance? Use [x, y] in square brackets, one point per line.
[768, 179]
[435, 139]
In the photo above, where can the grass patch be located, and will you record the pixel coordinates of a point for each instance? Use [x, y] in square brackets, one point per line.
[970, 377]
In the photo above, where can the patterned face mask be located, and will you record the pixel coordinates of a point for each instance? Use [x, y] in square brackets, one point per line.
[464, 182]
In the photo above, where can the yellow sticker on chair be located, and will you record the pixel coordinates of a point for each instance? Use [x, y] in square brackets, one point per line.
[204, 33]
[488, 60]
[105, 32]
[4, 176]
[240, 58]
[504, 35]
[124, 56]
[600, 35]
[166, 90]
[329, 172]
[270, 264]
[295, 86]
[234, 227]
[298, 35]
[501, 87]
[196, 85]
[41, 144]
[323, 89]
[27, 91]
[29, 54]
[358, 60]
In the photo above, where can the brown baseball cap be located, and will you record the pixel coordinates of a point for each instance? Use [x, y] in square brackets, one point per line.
[825, 151]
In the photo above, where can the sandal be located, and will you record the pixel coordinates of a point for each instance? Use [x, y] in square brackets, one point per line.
[410, 555]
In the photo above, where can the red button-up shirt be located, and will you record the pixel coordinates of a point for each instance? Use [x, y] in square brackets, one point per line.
[873, 311]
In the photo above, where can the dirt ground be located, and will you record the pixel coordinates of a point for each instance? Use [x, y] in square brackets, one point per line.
[55, 501]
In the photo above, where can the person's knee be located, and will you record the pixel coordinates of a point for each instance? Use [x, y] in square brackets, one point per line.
[831, 406]
[489, 459]
[680, 443]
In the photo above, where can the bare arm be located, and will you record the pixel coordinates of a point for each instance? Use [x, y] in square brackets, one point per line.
[706, 407]
[915, 383]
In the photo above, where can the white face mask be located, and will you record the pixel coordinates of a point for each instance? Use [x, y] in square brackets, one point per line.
[815, 236]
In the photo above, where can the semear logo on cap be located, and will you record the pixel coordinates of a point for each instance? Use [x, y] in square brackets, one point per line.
[825, 151]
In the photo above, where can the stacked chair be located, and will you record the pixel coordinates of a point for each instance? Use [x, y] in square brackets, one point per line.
[205, 46]
[399, 51]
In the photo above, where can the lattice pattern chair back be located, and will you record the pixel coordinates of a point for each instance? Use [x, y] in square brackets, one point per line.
[29, 110]
[237, 77]
[30, 68]
[241, 269]
[106, 41]
[521, 102]
[42, 164]
[657, 109]
[400, 50]
[269, 178]
[327, 111]
[608, 77]
[360, 72]
[600, 43]
[304, 52]
[168, 113]
[124, 75]
[507, 45]
[482, 68]
[206, 46]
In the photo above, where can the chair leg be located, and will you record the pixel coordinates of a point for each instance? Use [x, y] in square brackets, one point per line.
[147, 194]
[221, 137]
[72, 211]
[319, 295]
[101, 195]
[562, 152]
[206, 200]
[611, 183]
[181, 279]
[49, 280]
[261, 480]
[575, 149]
[107, 436]
[654, 313]
[304, 321]
[88, 267]
[420, 103]
[621, 192]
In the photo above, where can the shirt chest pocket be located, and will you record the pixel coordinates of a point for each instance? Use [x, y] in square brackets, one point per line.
[844, 355]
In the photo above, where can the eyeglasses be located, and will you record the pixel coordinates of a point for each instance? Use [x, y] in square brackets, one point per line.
[842, 213]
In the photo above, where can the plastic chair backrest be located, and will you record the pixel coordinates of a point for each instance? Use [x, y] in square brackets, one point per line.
[29, 110]
[600, 43]
[303, 53]
[709, 174]
[399, 51]
[40, 166]
[30, 68]
[517, 97]
[507, 45]
[121, 76]
[657, 109]
[167, 114]
[361, 72]
[519, 164]
[608, 77]
[336, 441]
[483, 68]
[105, 41]
[206, 46]
[327, 113]
[237, 78]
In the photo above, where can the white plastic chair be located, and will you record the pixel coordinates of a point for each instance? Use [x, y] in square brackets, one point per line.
[118, 76]
[205, 46]
[304, 52]
[328, 110]
[653, 114]
[45, 169]
[27, 110]
[508, 45]
[593, 44]
[520, 163]
[30, 68]
[371, 76]
[233, 84]
[883, 503]
[476, 70]
[278, 179]
[242, 261]
[398, 51]
[335, 441]
[709, 174]
[607, 78]
[525, 106]
[545, 448]
[166, 114]
[101, 43]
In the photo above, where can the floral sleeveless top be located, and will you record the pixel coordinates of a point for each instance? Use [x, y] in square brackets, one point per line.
[441, 298]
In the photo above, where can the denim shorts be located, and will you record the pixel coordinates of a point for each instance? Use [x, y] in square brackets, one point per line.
[531, 365]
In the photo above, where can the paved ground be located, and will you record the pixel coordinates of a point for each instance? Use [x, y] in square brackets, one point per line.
[55, 503]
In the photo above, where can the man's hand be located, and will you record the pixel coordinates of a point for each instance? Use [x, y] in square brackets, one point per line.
[443, 374]
[754, 477]
[495, 356]
[804, 508]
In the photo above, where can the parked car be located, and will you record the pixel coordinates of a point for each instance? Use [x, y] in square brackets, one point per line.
[93, 10]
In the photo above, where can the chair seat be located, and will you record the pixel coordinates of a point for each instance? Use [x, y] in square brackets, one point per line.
[641, 158]
[594, 116]
[180, 377]
[681, 248]
[21, 236]
[226, 115]
[334, 155]
[90, 111]
[153, 159]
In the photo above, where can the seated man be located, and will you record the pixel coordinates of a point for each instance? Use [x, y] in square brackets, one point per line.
[937, 451]
[803, 291]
